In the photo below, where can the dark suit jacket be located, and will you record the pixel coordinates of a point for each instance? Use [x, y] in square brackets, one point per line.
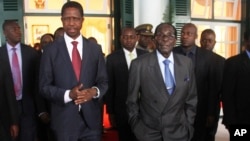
[8, 105]
[235, 91]
[118, 71]
[218, 64]
[30, 64]
[207, 88]
[151, 109]
[57, 76]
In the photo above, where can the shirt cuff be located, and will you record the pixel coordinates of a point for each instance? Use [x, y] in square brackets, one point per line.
[42, 114]
[97, 92]
[66, 96]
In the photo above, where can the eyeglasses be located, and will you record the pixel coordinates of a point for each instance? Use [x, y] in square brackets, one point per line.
[73, 19]
[167, 36]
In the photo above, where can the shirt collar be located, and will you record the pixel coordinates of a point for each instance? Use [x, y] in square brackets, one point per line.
[69, 39]
[17, 46]
[185, 51]
[128, 52]
[161, 58]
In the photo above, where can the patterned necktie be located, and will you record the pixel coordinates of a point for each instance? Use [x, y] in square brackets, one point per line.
[16, 73]
[131, 56]
[76, 60]
[169, 80]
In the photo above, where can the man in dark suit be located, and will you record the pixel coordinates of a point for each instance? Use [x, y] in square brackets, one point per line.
[205, 74]
[235, 91]
[73, 78]
[8, 107]
[158, 110]
[207, 41]
[25, 59]
[118, 64]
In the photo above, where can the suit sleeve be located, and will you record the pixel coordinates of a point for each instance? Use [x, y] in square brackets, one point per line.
[11, 99]
[191, 101]
[101, 77]
[109, 97]
[228, 86]
[46, 79]
[133, 93]
[215, 82]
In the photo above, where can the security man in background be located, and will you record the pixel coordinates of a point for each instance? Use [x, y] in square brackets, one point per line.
[145, 41]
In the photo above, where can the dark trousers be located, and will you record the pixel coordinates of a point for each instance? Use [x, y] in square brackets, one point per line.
[44, 132]
[84, 133]
[27, 127]
[124, 130]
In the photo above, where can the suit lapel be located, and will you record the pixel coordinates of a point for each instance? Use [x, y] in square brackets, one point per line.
[6, 57]
[178, 71]
[156, 74]
[63, 51]
[86, 51]
[123, 59]
[246, 61]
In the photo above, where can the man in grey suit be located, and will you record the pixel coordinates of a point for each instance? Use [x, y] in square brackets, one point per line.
[73, 78]
[156, 113]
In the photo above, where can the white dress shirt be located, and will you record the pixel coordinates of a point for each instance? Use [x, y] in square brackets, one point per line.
[128, 56]
[162, 66]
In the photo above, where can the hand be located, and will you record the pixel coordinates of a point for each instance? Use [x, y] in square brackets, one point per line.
[85, 95]
[14, 130]
[45, 118]
[75, 92]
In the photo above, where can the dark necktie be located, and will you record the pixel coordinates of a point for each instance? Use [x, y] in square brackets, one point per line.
[169, 80]
[76, 60]
[16, 73]
[191, 56]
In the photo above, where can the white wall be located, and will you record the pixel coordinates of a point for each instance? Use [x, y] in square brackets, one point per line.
[149, 11]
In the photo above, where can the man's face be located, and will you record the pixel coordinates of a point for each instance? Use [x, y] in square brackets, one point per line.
[128, 39]
[207, 41]
[144, 40]
[188, 36]
[13, 33]
[165, 39]
[72, 22]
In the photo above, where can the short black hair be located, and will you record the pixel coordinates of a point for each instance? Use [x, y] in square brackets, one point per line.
[47, 34]
[74, 5]
[209, 31]
[8, 22]
[158, 26]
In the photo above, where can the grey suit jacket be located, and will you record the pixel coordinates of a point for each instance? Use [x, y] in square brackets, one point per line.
[151, 109]
[57, 76]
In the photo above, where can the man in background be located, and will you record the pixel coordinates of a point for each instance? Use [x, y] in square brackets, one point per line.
[205, 74]
[235, 92]
[208, 42]
[9, 119]
[118, 64]
[145, 41]
[23, 63]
